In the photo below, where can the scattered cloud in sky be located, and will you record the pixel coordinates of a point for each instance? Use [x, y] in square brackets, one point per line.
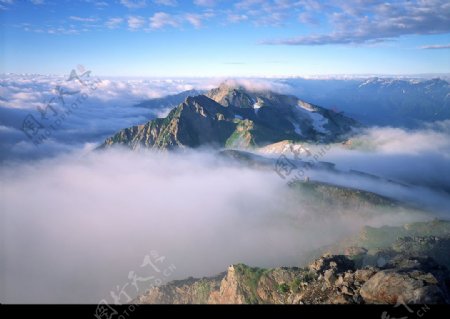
[113, 23]
[194, 19]
[161, 19]
[170, 3]
[348, 22]
[135, 22]
[206, 3]
[97, 3]
[264, 13]
[236, 18]
[435, 46]
[134, 4]
[374, 21]
[82, 19]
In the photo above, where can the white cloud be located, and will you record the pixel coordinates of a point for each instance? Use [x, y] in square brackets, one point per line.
[263, 12]
[134, 4]
[113, 23]
[4, 4]
[247, 4]
[254, 84]
[135, 22]
[82, 19]
[399, 141]
[440, 126]
[206, 3]
[170, 3]
[194, 19]
[4, 129]
[373, 21]
[308, 18]
[236, 18]
[97, 3]
[161, 19]
[420, 158]
[435, 46]
[60, 31]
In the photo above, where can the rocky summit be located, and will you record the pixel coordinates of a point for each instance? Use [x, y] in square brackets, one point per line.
[400, 270]
[235, 117]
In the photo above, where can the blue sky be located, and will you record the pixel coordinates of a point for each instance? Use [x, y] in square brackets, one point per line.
[225, 38]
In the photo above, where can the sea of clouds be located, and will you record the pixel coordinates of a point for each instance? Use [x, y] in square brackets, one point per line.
[75, 222]
[108, 108]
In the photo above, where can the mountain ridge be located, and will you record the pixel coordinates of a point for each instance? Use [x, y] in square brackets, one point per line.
[231, 116]
[398, 267]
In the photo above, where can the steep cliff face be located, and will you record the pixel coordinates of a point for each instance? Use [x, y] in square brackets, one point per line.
[189, 291]
[197, 121]
[399, 271]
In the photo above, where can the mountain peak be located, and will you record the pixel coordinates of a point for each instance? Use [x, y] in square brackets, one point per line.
[233, 116]
[230, 93]
[230, 85]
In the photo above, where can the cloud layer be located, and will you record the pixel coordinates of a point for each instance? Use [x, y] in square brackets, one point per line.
[417, 161]
[111, 106]
[73, 227]
[85, 219]
[106, 110]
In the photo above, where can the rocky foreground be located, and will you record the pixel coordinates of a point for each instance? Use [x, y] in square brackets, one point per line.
[410, 269]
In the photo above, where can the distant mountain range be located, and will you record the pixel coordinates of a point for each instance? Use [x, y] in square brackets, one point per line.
[232, 116]
[371, 101]
[380, 101]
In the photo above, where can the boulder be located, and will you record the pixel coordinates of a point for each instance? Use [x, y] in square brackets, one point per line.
[390, 286]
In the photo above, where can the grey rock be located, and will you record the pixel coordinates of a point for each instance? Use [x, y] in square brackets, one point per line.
[387, 286]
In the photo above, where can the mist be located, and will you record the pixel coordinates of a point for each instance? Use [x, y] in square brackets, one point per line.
[75, 222]
[415, 157]
[411, 166]
[74, 226]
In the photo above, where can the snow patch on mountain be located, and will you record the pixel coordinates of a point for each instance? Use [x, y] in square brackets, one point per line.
[306, 106]
[318, 122]
[317, 119]
[256, 107]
